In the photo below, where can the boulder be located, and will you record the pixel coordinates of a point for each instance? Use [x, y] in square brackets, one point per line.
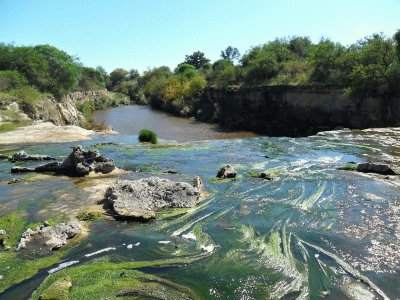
[54, 237]
[375, 168]
[265, 175]
[226, 172]
[141, 198]
[78, 163]
[23, 156]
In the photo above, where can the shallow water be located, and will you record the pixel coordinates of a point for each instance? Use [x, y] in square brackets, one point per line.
[129, 120]
[313, 231]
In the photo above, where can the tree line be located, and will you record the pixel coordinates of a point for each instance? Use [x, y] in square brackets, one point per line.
[369, 67]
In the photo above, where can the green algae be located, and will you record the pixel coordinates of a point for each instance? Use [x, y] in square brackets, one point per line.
[15, 268]
[58, 290]
[87, 215]
[348, 167]
[14, 227]
[221, 180]
[106, 280]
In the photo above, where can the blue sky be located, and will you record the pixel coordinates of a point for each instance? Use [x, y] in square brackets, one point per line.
[146, 33]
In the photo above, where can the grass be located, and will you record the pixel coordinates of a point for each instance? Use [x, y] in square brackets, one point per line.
[147, 136]
[9, 126]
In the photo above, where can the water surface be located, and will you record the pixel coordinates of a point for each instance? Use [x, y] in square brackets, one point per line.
[129, 120]
[312, 232]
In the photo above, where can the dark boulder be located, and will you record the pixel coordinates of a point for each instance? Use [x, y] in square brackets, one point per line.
[375, 168]
[226, 172]
[79, 163]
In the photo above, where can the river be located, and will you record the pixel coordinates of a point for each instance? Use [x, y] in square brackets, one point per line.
[312, 232]
[129, 120]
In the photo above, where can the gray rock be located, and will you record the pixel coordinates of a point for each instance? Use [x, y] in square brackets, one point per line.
[2, 156]
[375, 168]
[23, 156]
[197, 182]
[141, 198]
[78, 163]
[226, 172]
[54, 237]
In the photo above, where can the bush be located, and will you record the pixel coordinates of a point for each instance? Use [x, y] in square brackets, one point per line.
[27, 95]
[11, 80]
[147, 136]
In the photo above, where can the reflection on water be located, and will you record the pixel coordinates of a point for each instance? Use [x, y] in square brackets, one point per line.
[131, 119]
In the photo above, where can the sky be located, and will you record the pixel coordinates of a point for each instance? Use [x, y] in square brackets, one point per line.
[141, 34]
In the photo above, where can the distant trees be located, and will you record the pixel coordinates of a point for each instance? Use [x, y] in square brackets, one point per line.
[197, 59]
[230, 53]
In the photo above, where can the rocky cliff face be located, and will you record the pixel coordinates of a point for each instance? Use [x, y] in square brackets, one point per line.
[62, 111]
[294, 111]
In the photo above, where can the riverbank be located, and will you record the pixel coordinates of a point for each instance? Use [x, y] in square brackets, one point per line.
[45, 132]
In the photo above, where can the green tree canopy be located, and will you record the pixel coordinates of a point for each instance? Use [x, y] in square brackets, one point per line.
[64, 71]
[118, 75]
[230, 53]
[197, 59]
[186, 70]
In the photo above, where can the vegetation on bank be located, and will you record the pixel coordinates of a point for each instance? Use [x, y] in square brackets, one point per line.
[369, 67]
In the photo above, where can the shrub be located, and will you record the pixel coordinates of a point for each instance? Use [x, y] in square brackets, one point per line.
[11, 80]
[27, 95]
[147, 136]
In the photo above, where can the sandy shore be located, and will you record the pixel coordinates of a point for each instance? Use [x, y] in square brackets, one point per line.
[45, 133]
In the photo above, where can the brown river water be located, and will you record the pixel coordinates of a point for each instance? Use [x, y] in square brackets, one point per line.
[129, 120]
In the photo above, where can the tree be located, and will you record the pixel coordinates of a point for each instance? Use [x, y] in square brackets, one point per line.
[301, 46]
[133, 74]
[92, 79]
[397, 40]
[186, 70]
[324, 60]
[259, 65]
[118, 75]
[197, 59]
[230, 53]
[64, 71]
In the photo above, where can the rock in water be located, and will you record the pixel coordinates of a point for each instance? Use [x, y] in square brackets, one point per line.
[226, 172]
[140, 198]
[23, 156]
[78, 163]
[375, 168]
[54, 237]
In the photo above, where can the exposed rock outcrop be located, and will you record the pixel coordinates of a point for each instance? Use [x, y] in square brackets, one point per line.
[375, 168]
[226, 172]
[141, 198]
[23, 156]
[78, 163]
[54, 237]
